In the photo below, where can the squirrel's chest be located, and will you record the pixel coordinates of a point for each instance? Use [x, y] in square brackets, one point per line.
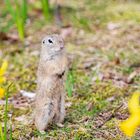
[50, 86]
[51, 67]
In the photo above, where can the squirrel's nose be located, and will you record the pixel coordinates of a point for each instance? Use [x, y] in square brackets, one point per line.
[61, 47]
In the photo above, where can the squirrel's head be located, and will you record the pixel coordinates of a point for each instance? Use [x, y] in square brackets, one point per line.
[52, 44]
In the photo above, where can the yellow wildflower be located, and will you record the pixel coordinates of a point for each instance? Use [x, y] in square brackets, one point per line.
[2, 71]
[2, 79]
[3, 68]
[2, 91]
[130, 125]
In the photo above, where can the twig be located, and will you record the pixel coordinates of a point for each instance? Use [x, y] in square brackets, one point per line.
[111, 116]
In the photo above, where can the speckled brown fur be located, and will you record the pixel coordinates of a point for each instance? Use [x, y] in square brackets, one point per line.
[50, 97]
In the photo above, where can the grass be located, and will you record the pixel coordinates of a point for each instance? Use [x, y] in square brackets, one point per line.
[99, 13]
[93, 93]
[70, 80]
[19, 15]
[46, 9]
[3, 133]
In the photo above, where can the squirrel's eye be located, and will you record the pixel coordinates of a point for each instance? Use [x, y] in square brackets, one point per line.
[50, 41]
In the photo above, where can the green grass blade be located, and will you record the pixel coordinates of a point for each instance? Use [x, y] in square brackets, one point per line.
[19, 15]
[19, 21]
[5, 116]
[69, 83]
[6, 112]
[1, 133]
[46, 8]
[10, 9]
[24, 10]
[20, 27]
[11, 132]
[69, 89]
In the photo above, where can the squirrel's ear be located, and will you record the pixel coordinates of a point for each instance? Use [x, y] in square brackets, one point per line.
[43, 41]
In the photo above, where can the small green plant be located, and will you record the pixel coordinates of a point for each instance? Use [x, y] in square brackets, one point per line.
[3, 134]
[19, 15]
[70, 83]
[4, 93]
[46, 8]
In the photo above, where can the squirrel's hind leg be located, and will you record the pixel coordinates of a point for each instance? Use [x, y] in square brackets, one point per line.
[60, 111]
[44, 116]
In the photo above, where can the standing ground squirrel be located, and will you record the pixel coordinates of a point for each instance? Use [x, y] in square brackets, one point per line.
[50, 96]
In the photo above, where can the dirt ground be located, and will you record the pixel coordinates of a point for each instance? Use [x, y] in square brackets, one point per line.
[102, 39]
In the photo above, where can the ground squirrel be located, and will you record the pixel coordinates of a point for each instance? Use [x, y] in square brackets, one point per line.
[50, 96]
